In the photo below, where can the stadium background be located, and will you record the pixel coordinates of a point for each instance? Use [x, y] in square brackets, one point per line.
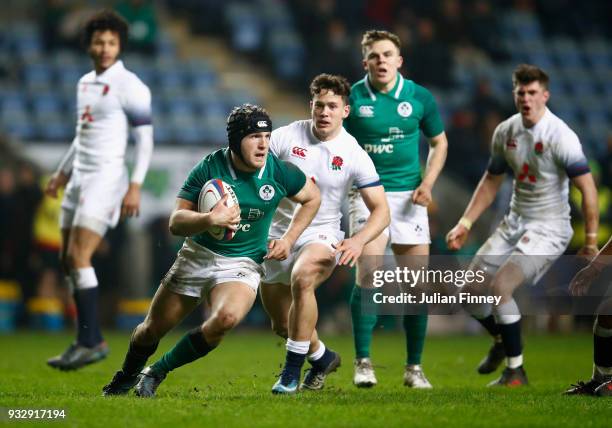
[201, 57]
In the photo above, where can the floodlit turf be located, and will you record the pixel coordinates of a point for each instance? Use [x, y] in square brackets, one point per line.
[231, 387]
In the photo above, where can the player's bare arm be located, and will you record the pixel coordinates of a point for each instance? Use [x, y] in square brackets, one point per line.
[438, 149]
[310, 200]
[483, 197]
[187, 221]
[376, 201]
[590, 212]
[583, 279]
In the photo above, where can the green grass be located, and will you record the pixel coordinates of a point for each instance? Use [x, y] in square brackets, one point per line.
[231, 386]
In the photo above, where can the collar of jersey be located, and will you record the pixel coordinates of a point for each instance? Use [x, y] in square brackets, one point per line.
[395, 92]
[539, 124]
[111, 70]
[315, 140]
[235, 173]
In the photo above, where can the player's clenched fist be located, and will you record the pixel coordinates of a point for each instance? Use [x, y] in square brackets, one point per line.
[422, 195]
[456, 237]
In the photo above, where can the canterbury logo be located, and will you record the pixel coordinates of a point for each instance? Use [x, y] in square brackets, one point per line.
[299, 152]
[262, 124]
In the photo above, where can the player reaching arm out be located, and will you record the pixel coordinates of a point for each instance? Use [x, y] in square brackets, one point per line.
[483, 197]
[375, 200]
[310, 199]
[583, 279]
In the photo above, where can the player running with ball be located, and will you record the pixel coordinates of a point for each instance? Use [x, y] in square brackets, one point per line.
[226, 273]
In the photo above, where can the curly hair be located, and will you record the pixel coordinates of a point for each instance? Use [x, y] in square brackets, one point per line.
[102, 21]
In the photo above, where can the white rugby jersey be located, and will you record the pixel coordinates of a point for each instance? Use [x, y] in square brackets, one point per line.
[334, 165]
[107, 105]
[542, 158]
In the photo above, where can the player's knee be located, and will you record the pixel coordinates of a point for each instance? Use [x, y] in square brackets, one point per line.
[498, 288]
[304, 280]
[225, 320]
[75, 258]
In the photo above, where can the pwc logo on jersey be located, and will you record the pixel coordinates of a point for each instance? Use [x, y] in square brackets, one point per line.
[299, 152]
[266, 192]
[511, 144]
[404, 109]
[378, 148]
[366, 111]
[243, 227]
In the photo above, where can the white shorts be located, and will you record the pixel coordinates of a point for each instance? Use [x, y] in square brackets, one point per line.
[278, 271]
[93, 199]
[197, 270]
[409, 222]
[532, 245]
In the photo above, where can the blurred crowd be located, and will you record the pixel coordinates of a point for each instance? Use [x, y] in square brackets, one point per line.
[61, 21]
[437, 37]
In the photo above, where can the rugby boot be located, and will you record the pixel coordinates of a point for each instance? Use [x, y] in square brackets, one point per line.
[314, 378]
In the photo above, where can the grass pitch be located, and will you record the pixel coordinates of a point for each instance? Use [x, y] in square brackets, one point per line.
[231, 386]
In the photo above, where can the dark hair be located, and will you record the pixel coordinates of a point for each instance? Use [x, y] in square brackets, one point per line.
[331, 82]
[371, 36]
[244, 120]
[526, 73]
[102, 21]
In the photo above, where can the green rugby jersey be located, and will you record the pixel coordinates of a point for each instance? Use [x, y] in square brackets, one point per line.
[259, 193]
[388, 125]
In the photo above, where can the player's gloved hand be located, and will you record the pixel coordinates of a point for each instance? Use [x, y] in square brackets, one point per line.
[223, 216]
[582, 280]
[350, 249]
[278, 249]
[455, 239]
[56, 182]
[130, 207]
[422, 195]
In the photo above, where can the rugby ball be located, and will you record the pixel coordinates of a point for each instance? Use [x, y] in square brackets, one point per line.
[212, 192]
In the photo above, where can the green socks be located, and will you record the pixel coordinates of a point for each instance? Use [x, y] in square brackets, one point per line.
[364, 319]
[415, 328]
[191, 347]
